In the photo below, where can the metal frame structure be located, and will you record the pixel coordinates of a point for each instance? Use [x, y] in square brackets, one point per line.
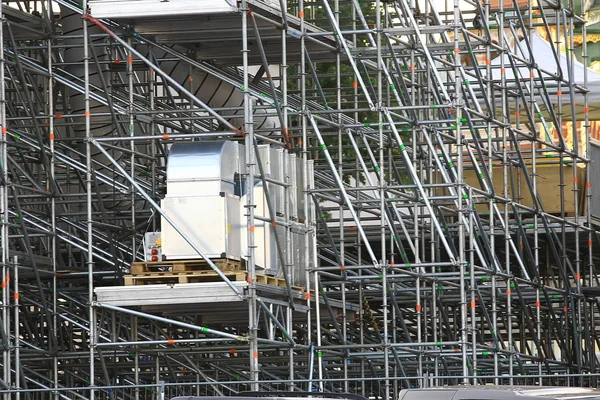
[432, 257]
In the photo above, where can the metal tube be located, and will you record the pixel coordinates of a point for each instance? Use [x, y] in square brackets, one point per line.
[16, 321]
[90, 226]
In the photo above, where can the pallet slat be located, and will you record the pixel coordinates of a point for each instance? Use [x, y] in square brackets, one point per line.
[224, 264]
[193, 271]
[153, 278]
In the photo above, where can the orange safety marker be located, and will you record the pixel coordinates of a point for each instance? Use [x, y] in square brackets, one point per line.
[16, 295]
[251, 228]
[342, 267]
[577, 276]
[538, 304]
[171, 341]
[472, 304]
[307, 296]
[355, 84]
[300, 14]
[59, 116]
[418, 308]
[165, 137]
[255, 355]
[87, 114]
[273, 224]
[508, 292]
[4, 131]
[51, 136]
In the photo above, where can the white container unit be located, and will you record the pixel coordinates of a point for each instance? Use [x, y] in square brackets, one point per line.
[211, 222]
[206, 199]
[201, 200]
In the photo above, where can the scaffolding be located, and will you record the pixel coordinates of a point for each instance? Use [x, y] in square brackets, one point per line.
[445, 196]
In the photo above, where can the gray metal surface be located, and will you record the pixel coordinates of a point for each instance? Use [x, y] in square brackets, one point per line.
[180, 299]
[189, 293]
[152, 241]
[499, 393]
[219, 35]
[119, 9]
[202, 161]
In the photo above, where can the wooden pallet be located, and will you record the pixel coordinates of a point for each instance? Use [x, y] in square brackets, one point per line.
[274, 281]
[155, 278]
[144, 267]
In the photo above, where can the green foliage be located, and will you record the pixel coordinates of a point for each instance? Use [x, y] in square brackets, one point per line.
[347, 86]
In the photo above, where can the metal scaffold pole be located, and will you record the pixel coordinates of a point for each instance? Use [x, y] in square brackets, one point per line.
[89, 196]
[4, 198]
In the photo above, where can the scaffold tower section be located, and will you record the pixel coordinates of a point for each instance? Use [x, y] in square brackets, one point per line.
[213, 197]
